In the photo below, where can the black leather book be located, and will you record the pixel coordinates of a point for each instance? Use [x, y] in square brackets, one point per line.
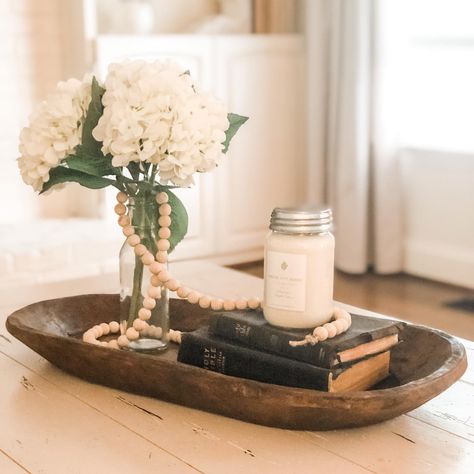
[366, 336]
[201, 349]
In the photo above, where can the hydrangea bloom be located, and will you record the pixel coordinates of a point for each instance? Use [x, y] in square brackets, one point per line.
[154, 113]
[54, 130]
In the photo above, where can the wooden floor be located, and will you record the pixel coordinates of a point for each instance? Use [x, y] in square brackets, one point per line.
[410, 298]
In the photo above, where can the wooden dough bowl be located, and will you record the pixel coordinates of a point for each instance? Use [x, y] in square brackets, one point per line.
[425, 364]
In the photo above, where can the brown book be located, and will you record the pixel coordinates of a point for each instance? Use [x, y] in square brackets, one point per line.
[201, 349]
[366, 336]
[362, 375]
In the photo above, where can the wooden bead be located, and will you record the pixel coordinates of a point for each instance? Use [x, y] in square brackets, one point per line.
[145, 330]
[164, 276]
[254, 303]
[162, 257]
[149, 303]
[140, 250]
[217, 304]
[164, 221]
[98, 331]
[331, 329]
[165, 210]
[241, 303]
[128, 230]
[154, 292]
[156, 267]
[340, 313]
[155, 332]
[172, 284]
[105, 328]
[229, 305]
[163, 245]
[204, 301]
[122, 341]
[182, 292]
[154, 280]
[120, 209]
[133, 240]
[341, 325]
[175, 336]
[89, 337]
[164, 233]
[122, 197]
[123, 221]
[89, 332]
[139, 325]
[132, 334]
[144, 314]
[194, 296]
[347, 324]
[162, 198]
[147, 258]
[321, 333]
[113, 344]
[114, 327]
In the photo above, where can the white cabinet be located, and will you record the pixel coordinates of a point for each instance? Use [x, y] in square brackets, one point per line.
[261, 76]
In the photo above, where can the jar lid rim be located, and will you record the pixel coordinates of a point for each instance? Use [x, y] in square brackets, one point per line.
[301, 219]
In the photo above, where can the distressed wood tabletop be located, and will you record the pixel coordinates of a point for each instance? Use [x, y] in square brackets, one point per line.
[52, 422]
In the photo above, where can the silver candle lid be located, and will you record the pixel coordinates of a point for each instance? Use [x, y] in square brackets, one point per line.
[305, 220]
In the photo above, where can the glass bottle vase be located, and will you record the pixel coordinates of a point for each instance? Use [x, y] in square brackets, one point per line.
[135, 278]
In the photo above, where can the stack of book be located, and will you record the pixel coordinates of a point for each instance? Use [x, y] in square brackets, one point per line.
[243, 344]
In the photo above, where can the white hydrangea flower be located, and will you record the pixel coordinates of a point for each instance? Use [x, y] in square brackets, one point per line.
[154, 113]
[54, 130]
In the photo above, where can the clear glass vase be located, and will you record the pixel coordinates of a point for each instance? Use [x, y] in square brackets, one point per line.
[135, 278]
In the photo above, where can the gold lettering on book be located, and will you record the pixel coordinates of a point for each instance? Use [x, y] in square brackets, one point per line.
[213, 359]
[242, 330]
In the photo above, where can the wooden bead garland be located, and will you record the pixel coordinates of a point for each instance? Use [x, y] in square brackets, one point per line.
[160, 277]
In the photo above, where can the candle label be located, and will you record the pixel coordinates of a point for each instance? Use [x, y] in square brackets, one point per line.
[285, 281]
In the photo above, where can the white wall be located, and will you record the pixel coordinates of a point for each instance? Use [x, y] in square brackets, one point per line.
[439, 215]
[29, 59]
[170, 16]
[41, 43]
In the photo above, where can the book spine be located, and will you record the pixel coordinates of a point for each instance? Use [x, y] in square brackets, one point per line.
[265, 338]
[229, 359]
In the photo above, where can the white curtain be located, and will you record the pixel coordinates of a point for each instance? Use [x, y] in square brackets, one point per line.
[363, 185]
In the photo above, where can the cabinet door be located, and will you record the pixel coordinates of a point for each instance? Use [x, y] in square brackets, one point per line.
[261, 77]
[193, 53]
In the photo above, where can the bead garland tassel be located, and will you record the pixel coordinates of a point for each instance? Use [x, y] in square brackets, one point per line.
[160, 277]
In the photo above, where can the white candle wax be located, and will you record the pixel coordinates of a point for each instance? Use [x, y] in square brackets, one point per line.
[299, 275]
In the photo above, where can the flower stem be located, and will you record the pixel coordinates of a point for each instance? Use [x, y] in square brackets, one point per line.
[136, 299]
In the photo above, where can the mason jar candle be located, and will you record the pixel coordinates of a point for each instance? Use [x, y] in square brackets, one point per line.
[299, 268]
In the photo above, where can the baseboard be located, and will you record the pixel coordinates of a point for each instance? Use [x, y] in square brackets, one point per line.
[440, 262]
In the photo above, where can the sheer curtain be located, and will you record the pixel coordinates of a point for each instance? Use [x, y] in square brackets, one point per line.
[361, 165]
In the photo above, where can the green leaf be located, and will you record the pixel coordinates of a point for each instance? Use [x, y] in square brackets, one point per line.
[96, 165]
[179, 220]
[61, 174]
[235, 122]
[94, 112]
[134, 169]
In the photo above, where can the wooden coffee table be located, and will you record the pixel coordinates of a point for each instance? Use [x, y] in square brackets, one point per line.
[52, 422]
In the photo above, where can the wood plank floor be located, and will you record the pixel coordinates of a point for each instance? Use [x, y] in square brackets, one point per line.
[414, 299]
